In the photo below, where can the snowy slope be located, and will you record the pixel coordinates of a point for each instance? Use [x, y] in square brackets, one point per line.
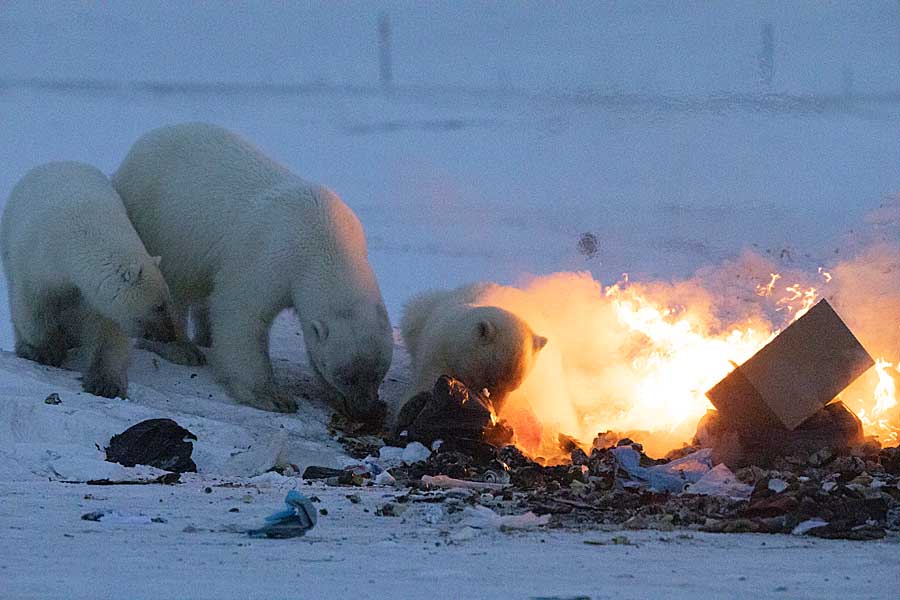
[60, 442]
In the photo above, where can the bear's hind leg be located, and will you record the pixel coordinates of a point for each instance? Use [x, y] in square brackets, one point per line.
[39, 334]
[240, 354]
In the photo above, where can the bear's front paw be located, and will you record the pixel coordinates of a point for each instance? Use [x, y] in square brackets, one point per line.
[104, 384]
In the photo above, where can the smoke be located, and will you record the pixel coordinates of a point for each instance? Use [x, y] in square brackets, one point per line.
[636, 358]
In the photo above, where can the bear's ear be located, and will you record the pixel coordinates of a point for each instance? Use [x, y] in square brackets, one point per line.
[132, 273]
[321, 330]
[157, 260]
[539, 342]
[486, 331]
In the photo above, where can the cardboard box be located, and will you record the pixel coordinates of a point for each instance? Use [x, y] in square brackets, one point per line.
[794, 375]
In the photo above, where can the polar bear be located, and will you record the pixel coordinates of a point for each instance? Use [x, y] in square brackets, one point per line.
[451, 333]
[78, 274]
[243, 238]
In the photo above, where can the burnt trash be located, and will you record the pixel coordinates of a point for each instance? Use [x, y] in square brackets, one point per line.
[316, 472]
[451, 411]
[160, 443]
[831, 431]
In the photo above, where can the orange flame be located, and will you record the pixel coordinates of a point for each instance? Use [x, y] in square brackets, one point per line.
[638, 359]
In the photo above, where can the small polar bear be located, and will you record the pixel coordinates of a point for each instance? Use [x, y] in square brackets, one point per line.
[452, 333]
[78, 274]
[243, 238]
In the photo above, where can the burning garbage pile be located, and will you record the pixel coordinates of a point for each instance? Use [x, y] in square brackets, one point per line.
[778, 456]
[775, 403]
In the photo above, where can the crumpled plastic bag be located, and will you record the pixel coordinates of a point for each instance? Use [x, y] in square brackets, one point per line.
[671, 477]
[295, 520]
[720, 481]
[690, 467]
[630, 461]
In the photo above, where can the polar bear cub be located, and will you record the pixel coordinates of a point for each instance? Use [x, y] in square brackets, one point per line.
[78, 274]
[451, 333]
[243, 238]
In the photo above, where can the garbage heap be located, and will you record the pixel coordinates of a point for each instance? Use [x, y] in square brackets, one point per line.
[778, 456]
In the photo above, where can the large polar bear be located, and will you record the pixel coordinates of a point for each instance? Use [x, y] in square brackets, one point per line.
[78, 274]
[243, 238]
[451, 333]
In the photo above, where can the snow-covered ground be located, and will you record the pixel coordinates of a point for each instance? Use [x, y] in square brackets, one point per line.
[50, 552]
[512, 130]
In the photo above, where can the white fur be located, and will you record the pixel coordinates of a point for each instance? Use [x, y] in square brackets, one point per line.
[243, 238]
[78, 273]
[453, 333]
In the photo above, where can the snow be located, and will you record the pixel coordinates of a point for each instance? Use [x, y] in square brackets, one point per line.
[199, 552]
[512, 129]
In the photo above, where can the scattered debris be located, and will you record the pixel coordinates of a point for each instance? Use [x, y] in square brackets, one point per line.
[834, 427]
[160, 443]
[360, 439]
[295, 520]
[120, 518]
[819, 477]
[165, 479]
[314, 472]
[53, 399]
[391, 509]
[442, 481]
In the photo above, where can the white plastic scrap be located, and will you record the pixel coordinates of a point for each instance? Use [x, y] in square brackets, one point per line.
[690, 468]
[482, 517]
[390, 456]
[778, 485]
[442, 481]
[415, 452]
[385, 478]
[720, 481]
[805, 526]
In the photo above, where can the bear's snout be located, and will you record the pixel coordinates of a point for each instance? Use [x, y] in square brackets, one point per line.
[363, 404]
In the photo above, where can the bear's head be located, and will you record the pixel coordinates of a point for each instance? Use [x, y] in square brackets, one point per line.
[492, 349]
[137, 298]
[350, 348]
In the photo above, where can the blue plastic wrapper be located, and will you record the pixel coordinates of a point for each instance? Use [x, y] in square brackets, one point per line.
[630, 461]
[295, 520]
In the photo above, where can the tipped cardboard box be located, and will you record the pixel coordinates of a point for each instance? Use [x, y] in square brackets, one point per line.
[795, 375]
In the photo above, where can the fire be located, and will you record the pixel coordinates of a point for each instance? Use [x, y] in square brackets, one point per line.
[637, 359]
[878, 417]
[797, 294]
[676, 363]
[766, 290]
